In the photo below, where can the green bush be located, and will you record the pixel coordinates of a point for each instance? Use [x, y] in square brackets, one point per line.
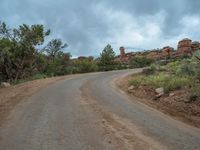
[186, 68]
[195, 88]
[172, 67]
[176, 83]
[169, 83]
[34, 77]
[139, 62]
[137, 81]
[83, 66]
[38, 76]
[196, 63]
[154, 67]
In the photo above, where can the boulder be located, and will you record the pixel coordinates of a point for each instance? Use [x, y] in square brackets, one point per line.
[5, 84]
[160, 92]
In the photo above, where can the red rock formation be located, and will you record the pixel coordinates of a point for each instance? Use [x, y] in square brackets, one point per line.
[195, 46]
[167, 51]
[184, 46]
[122, 54]
[160, 53]
[154, 54]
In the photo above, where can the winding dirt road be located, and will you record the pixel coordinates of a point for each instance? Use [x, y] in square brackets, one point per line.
[89, 112]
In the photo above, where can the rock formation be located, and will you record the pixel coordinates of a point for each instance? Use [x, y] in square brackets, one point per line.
[184, 46]
[195, 46]
[122, 54]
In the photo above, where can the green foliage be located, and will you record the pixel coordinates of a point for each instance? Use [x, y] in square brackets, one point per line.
[195, 86]
[54, 48]
[21, 58]
[34, 77]
[107, 57]
[139, 62]
[169, 83]
[58, 65]
[137, 81]
[18, 52]
[173, 66]
[186, 68]
[83, 66]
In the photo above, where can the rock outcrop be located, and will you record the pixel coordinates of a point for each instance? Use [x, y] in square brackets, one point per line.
[184, 46]
[122, 54]
[195, 46]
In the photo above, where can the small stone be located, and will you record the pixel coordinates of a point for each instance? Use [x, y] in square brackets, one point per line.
[160, 90]
[5, 84]
[171, 94]
[158, 96]
[130, 88]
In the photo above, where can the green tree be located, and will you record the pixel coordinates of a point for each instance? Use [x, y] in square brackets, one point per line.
[18, 52]
[54, 47]
[107, 57]
[58, 61]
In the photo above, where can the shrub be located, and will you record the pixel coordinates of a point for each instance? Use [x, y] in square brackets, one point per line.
[139, 62]
[176, 83]
[169, 83]
[196, 63]
[172, 67]
[186, 68]
[84, 66]
[137, 81]
[38, 76]
[154, 67]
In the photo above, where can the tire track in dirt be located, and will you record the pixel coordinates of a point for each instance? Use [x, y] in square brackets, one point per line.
[118, 130]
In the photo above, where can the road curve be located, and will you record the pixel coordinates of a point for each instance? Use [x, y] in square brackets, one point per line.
[89, 112]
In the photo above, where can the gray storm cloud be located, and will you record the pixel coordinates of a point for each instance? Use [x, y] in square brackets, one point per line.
[88, 25]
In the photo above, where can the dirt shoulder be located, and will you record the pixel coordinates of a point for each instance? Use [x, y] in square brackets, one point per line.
[11, 96]
[172, 105]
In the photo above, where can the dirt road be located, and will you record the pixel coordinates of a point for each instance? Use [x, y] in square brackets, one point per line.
[89, 112]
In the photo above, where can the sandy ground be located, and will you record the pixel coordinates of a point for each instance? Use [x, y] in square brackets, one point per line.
[173, 106]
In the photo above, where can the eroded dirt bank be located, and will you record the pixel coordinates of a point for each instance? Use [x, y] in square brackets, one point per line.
[173, 105]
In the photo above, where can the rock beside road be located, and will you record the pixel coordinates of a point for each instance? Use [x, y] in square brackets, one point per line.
[5, 84]
[160, 92]
[131, 88]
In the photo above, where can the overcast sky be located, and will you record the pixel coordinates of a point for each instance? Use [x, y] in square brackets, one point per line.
[87, 26]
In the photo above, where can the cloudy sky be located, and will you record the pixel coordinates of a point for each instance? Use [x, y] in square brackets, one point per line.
[87, 26]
